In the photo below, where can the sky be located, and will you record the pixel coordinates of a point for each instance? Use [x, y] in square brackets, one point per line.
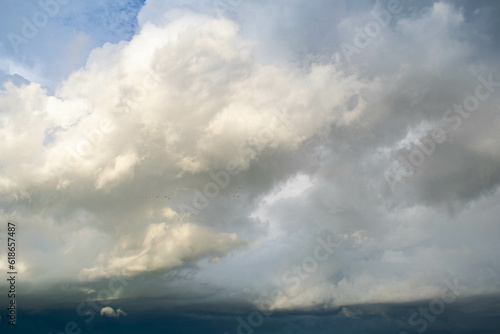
[250, 166]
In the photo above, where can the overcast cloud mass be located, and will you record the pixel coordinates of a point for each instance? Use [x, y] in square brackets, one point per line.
[233, 166]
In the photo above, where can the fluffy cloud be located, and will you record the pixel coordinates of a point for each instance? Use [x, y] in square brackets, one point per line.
[110, 313]
[190, 89]
[165, 246]
[180, 99]
[96, 171]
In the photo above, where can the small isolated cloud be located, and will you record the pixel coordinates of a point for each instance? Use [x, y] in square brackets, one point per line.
[110, 313]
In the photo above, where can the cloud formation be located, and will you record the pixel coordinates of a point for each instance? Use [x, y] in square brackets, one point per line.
[97, 170]
[110, 313]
